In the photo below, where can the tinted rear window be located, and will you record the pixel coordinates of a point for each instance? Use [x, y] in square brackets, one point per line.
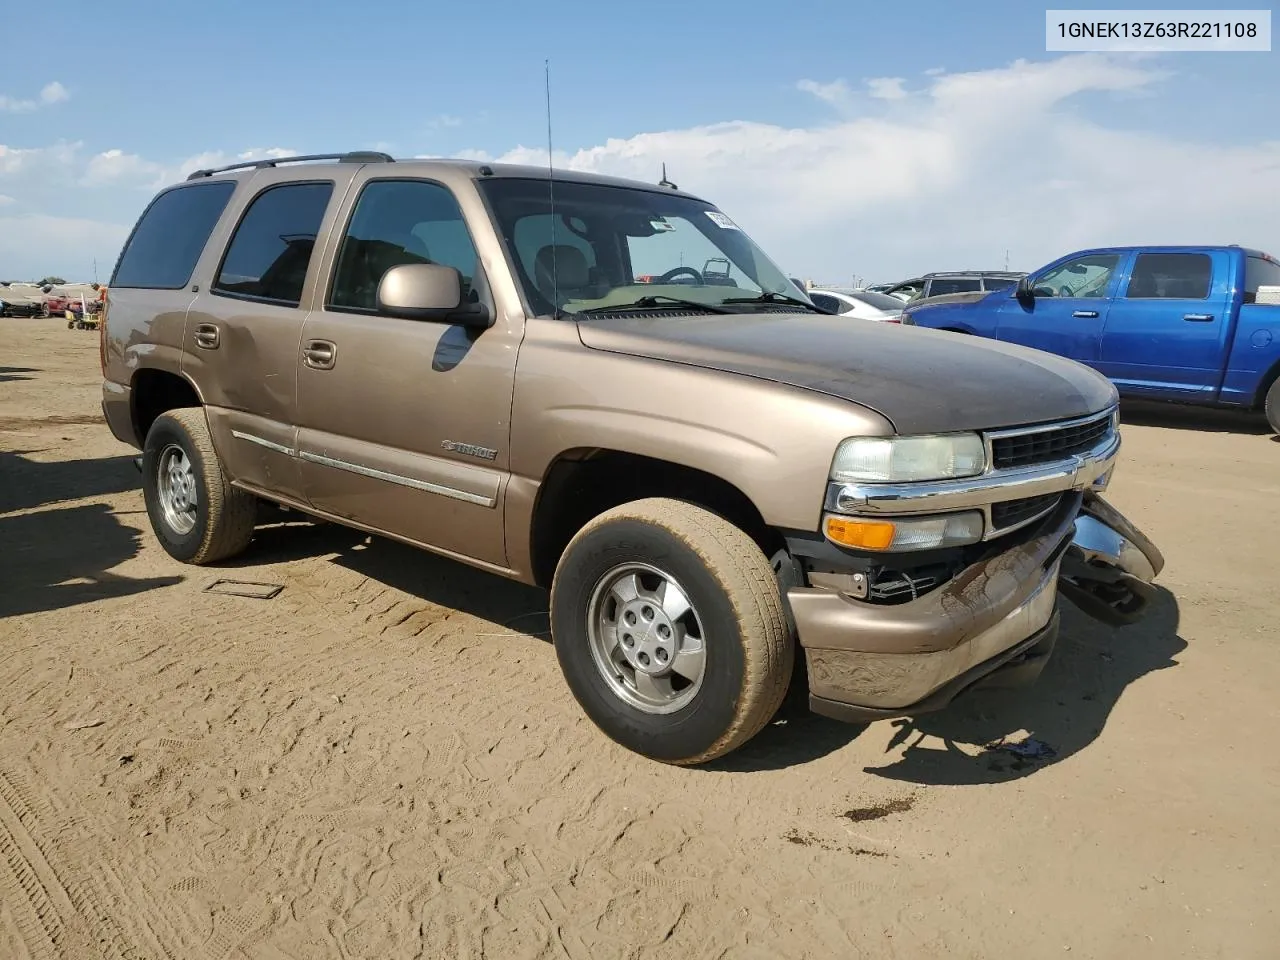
[1170, 276]
[1259, 273]
[165, 245]
[942, 286]
[270, 251]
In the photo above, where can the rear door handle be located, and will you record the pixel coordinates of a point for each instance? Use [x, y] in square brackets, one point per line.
[1085, 314]
[1198, 317]
[320, 354]
[207, 336]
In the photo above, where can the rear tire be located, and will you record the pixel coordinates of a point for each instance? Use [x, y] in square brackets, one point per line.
[1272, 406]
[707, 612]
[196, 514]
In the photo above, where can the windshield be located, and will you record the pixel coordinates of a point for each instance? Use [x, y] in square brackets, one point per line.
[611, 246]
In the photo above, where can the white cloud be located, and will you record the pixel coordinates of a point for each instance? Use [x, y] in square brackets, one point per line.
[118, 167]
[36, 245]
[6, 201]
[945, 181]
[836, 93]
[217, 158]
[54, 93]
[887, 88]
[51, 93]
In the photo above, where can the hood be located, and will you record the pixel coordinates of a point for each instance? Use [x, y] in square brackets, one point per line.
[923, 381]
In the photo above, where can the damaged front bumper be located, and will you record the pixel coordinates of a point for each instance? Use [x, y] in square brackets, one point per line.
[994, 623]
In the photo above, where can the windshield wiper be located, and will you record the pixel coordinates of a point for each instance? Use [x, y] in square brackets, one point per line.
[768, 296]
[650, 301]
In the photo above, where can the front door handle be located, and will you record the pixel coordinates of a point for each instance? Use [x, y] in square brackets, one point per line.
[1198, 317]
[320, 354]
[207, 336]
[1085, 314]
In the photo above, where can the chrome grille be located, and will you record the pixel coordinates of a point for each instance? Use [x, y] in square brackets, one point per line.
[1035, 445]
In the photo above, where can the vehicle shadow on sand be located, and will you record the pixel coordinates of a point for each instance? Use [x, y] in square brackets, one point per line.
[26, 484]
[291, 536]
[63, 557]
[1065, 709]
[11, 374]
[1147, 413]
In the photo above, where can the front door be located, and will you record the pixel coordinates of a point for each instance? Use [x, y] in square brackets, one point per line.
[404, 425]
[1166, 334]
[1068, 311]
[243, 327]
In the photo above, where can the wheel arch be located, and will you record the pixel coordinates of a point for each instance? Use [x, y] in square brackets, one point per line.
[581, 483]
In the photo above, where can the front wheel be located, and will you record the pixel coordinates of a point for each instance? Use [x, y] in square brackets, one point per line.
[669, 627]
[196, 514]
[1272, 406]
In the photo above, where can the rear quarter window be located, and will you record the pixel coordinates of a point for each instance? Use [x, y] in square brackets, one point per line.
[167, 241]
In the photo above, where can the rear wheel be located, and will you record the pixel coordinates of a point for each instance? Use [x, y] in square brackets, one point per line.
[196, 514]
[669, 627]
[1272, 406]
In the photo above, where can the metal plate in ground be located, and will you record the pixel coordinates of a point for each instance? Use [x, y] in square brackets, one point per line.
[244, 588]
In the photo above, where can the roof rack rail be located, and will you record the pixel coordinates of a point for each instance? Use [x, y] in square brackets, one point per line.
[354, 156]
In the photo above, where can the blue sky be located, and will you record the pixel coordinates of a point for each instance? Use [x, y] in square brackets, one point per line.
[850, 139]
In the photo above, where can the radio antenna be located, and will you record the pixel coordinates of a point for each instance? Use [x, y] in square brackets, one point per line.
[551, 193]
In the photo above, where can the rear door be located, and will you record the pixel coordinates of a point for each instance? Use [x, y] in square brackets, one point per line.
[1070, 307]
[405, 424]
[1166, 333]
[243, 328]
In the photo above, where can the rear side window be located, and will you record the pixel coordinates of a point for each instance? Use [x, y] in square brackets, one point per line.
[1259, 273]
[997, 283]
[944, 285]
[1170, 276]
[165, 245]
[269, 253]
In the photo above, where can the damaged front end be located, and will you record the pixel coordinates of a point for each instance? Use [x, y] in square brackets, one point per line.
[1108, 569]
[900, 634]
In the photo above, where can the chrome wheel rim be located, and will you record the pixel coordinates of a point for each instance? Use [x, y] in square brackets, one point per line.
[176, 487]
[646, 638]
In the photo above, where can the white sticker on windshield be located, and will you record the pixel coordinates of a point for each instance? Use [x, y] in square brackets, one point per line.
[661, 225]
[720, 220]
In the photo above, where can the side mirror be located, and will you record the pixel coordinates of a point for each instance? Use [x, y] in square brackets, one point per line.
[1024, 291]
[428, 291]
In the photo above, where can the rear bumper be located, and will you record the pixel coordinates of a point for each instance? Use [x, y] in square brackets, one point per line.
[868, 661]
[117, 409]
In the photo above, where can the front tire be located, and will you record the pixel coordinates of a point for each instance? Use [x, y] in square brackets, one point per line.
[1272, 406]
[196, 514]
[669, 627]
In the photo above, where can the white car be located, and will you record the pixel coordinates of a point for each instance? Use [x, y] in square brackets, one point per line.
[863, 304]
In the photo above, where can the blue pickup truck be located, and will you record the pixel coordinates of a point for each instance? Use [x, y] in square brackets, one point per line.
[1184, 324]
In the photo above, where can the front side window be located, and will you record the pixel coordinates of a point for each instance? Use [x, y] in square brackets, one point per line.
[610, 246]
[398, 222]
[170, 236]
[1084, 277]
[270, 251]
[1170, 276]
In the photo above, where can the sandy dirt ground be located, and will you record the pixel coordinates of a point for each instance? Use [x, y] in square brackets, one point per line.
[383, 761]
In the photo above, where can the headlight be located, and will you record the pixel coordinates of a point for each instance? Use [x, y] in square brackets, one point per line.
[909, 459]
[904, 533]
